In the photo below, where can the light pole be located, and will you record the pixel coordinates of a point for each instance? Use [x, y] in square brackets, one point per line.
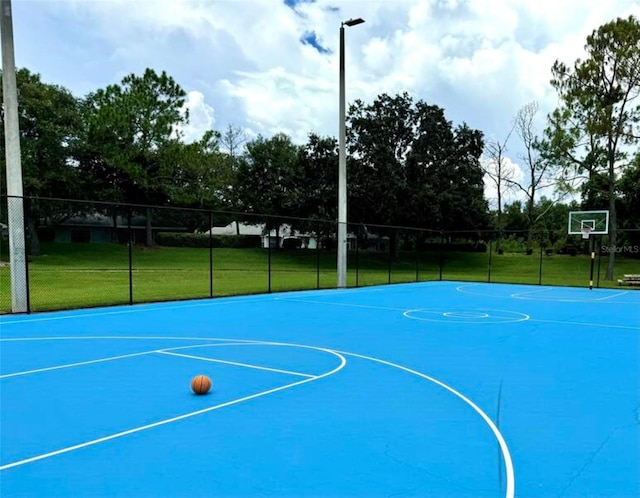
[15, 211]
[342, 166]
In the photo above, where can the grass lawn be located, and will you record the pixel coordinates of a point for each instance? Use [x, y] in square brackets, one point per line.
[82, 275]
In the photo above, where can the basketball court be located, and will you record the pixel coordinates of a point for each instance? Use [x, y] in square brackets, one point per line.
[442, 389]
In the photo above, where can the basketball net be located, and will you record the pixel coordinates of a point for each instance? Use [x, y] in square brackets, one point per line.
[586, 231]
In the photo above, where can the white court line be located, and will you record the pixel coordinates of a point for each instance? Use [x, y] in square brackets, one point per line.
[343, 362]
[508, 463]
[207, 301]
[103, 337]
[466, 289]
[212, 360]
[518, 294]
[142, 308]
[612, 295]
[587, 324]
[347, 305]
[109, 358]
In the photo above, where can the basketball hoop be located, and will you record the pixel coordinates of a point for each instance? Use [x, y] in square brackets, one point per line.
[586, 231]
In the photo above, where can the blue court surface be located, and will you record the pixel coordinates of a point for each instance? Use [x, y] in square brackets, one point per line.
[439, 389]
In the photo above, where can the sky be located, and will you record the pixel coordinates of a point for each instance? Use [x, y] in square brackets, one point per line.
[271, 66]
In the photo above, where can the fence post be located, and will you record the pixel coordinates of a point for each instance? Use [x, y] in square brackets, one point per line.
[130, 244]
[268, 259]
[318, 256]
[391, 250]
[490, 256]
[441, 253]
[417, 248]
[26, 259]
[357, 257]
[541, 251]
[210, 254]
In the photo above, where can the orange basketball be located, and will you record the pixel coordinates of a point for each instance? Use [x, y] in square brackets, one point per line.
[201, 384]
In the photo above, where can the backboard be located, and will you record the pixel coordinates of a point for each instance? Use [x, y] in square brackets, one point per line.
[594, 222]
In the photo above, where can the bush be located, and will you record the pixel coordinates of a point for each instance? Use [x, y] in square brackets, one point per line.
[171, 239]
[513, 244]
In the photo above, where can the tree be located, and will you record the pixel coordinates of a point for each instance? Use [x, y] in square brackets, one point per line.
[495, 167]
[629, 212]
[129, 125]
[379, 139]
[411, 167]
[266, 179]
[49, 123]
[199, 176]
[232, 140]
[599, 115]
[537, 167]
[317, 185]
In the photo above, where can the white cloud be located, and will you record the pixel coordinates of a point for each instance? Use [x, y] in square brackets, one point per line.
[481, 60]
[201, 117]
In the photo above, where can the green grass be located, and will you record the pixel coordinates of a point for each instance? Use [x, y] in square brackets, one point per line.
[83, 275]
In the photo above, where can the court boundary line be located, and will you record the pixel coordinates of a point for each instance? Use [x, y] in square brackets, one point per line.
[587, 324]
[135, 308]
[518, 294]
[462, 289]
[613, 295]
[346, 305]
[343, 362]
[198, 302]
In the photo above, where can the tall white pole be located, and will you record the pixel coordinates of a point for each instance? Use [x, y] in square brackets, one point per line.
[342, 176]
[15, 204]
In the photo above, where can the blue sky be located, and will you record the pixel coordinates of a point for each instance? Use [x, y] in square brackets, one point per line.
[272, 65]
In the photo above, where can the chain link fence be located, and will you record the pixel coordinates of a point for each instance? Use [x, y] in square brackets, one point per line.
[83, 254]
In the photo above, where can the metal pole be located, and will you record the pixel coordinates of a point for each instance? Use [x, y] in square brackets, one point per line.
[390, 262]
[210, 254]
[342, 166]
[131, 240]
[358, 258]
[541, 250]
[490, 254]
[342, 176]
[441, 253]
[15, 201]
[417, 249]
[592, 250]
[318, 256]
[269, 259]
[599, 260]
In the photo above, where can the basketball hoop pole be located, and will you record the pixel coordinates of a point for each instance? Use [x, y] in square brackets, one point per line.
[591, 243]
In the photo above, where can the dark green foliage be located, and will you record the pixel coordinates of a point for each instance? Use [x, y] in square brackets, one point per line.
[267, 178]
[599, 118]
[128, 127]
[411, 167]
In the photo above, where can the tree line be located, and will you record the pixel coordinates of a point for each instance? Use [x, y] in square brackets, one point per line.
[408, 165]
